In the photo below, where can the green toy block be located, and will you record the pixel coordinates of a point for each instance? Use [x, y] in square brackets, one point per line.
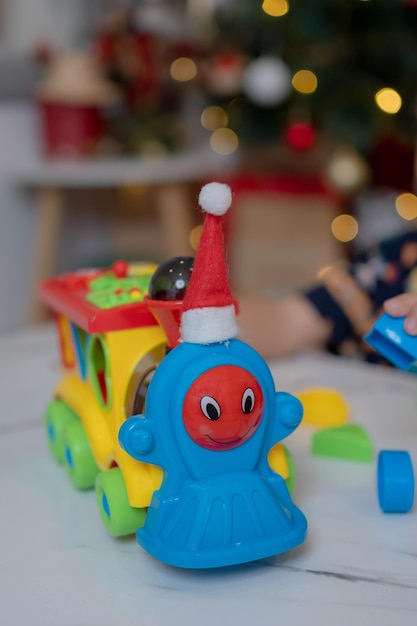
[349, 441]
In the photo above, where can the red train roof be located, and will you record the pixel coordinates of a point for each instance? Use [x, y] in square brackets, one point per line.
[100, 300]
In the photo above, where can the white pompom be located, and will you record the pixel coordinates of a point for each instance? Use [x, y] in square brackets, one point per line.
[215, 198]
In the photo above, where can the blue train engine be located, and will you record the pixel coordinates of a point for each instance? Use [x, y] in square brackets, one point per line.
[212, 418]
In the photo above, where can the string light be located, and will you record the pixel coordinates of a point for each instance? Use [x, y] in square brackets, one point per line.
[344, 227]
[388, 100]
[406, 206]
[183, 69]
[213, 117]
[275, 8]
[224, 141]
[346, 170]
[304, 81]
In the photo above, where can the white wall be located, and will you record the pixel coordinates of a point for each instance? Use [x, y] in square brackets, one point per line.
[28, 22]
[18, 143]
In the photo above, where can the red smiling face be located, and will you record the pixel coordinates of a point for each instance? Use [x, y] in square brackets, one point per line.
[223, 407]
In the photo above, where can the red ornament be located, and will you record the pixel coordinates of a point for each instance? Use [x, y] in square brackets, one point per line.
[301, 135]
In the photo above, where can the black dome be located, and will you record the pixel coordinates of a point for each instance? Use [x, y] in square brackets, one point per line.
[170, 280]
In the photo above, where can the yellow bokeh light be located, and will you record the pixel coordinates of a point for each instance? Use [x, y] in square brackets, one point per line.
[194, 237]
[275, 8]
[346, 170]
[388, 100]
[304, 81]
[344, 227]
[183, 69]
[406, 206]
[213, 117]
[224, 141]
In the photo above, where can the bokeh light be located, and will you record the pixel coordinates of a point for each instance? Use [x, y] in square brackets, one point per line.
[406, 206]
[388, 100]
[346, 170]
[301, 135]
[224, 141]
[213, 117]
[194, 236]
[304, 81]
[183, 69]
[344, 227]
[275, 8]
[267, 81]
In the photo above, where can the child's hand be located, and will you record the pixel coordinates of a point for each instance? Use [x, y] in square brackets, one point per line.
[404, 305]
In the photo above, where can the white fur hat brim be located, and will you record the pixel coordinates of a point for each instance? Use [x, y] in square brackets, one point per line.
[209, 324]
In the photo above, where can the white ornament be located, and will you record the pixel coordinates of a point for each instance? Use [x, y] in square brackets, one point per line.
[267, 81]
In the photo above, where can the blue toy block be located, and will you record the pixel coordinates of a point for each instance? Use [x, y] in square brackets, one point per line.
[389, 338]
[395, 481]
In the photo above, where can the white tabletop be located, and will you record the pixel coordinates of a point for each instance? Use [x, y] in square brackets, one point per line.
[181, 167]
[59, 566]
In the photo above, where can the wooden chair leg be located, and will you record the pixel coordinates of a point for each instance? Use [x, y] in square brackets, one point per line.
[50, 203]
[175, 216]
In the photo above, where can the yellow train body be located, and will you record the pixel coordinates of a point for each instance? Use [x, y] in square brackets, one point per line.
[129, 355]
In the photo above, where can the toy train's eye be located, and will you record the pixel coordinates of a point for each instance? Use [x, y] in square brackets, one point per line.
[248, 400]
[210, 407]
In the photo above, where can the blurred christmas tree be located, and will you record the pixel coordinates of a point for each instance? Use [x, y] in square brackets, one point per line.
[136, 54]
[295, 71]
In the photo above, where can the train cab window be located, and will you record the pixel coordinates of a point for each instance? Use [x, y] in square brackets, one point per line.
[80, 343]
[139, 382]
[98, 367]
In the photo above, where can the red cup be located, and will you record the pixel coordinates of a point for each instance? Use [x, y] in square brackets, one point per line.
[168, 315]
[70, 130]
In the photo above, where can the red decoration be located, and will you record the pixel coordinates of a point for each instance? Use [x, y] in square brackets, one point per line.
[301, 135]
[67, 295]
[131, 58]
[120, 268]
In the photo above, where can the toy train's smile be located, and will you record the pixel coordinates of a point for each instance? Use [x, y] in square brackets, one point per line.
[232, 442]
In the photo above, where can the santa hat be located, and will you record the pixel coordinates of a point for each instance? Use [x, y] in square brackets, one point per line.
[208, 313]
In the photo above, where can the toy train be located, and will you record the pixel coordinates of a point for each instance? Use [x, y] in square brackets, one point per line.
[179, 436]
[112, 334]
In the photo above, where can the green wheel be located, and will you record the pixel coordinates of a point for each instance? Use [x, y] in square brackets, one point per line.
[58, 416]
[118, 516]
[290, 481]
[78, 458]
